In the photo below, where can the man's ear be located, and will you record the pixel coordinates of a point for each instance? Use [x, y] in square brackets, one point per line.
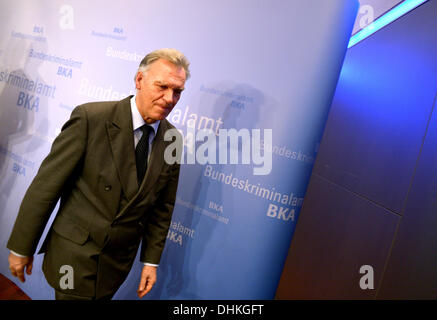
[138, 79]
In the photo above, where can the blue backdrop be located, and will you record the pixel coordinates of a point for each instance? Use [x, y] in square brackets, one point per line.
[255, 65]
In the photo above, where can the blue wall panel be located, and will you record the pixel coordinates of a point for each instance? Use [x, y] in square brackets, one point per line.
[381, 108]
[372, 194]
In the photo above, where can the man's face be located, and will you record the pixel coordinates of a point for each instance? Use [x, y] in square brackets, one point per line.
[159, 89]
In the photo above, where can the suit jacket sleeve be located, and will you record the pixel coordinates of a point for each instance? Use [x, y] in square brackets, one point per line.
[50, 181]
[158, 222]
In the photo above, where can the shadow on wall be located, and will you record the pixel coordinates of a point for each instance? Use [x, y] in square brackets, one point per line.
[23, 120]
[21, 116]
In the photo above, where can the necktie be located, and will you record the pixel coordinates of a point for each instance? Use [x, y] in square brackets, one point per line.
[141, 153]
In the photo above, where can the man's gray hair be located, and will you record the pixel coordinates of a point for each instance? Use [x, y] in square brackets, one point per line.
[174, 56]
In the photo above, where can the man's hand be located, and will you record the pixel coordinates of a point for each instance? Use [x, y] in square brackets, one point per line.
[17, 265]
[148, 279]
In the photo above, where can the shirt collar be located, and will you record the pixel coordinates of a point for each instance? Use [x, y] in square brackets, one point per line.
[137, 119]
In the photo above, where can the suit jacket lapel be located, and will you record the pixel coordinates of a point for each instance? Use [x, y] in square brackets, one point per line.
[121, 139]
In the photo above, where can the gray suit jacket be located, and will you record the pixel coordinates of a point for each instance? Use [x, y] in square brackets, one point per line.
[103, 215]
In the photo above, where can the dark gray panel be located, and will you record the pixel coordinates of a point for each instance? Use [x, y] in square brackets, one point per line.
[412, 268]
[336, 234]
[381, 108]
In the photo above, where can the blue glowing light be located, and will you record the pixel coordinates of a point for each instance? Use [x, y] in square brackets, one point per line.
[384, 20]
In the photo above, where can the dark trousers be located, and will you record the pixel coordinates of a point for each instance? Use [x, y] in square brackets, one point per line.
[64, 296]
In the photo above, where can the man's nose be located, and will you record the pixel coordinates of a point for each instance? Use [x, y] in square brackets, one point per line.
[169, 96]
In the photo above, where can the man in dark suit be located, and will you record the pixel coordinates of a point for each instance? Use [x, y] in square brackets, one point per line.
[107, 166]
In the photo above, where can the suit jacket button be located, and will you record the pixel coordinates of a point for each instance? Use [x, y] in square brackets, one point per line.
[108, 188]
